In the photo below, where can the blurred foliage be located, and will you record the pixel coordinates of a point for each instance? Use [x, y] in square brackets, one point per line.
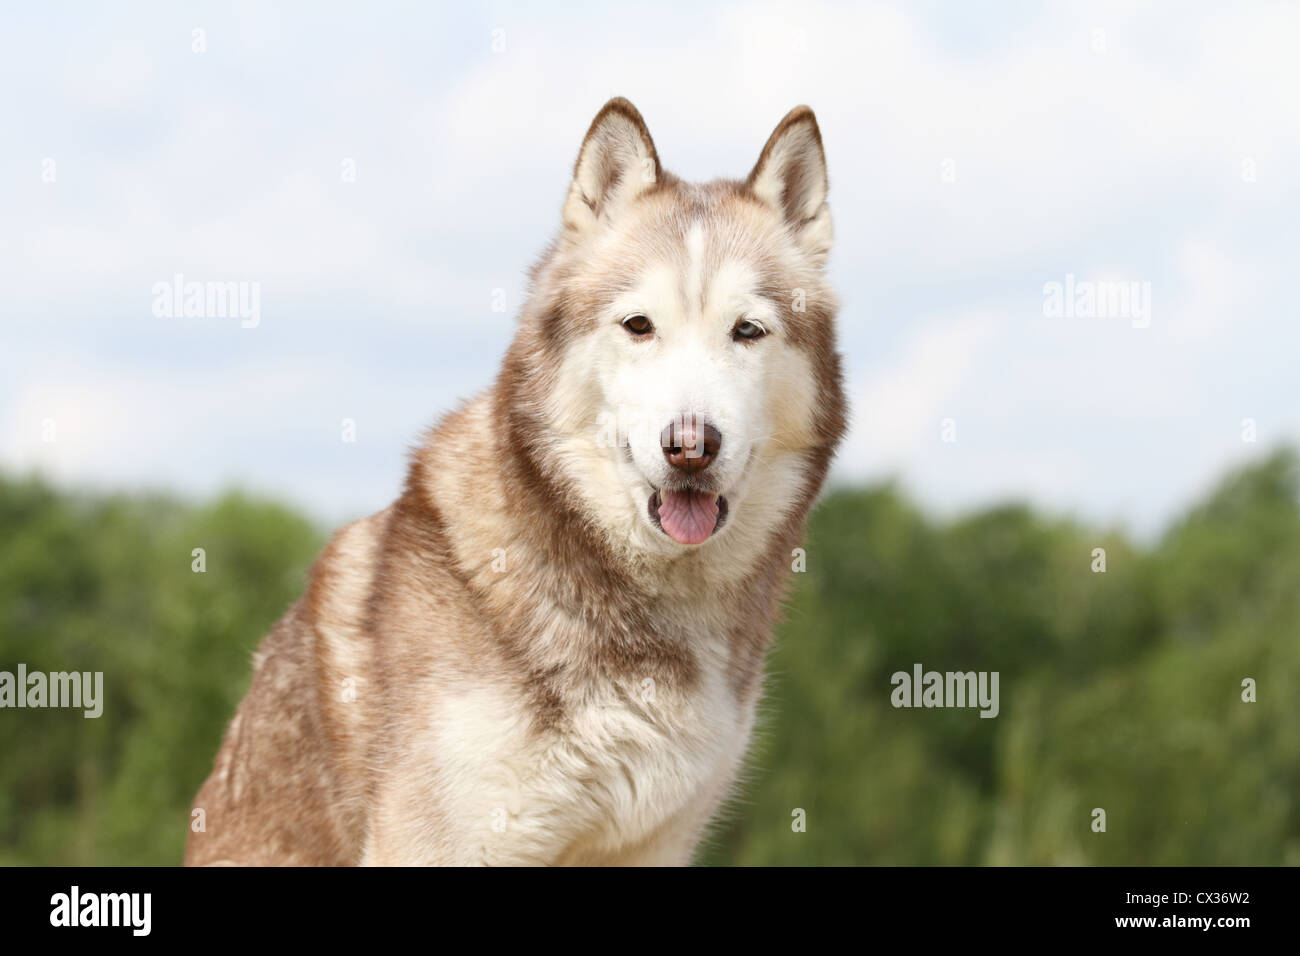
[1120, 690]
[106, 585]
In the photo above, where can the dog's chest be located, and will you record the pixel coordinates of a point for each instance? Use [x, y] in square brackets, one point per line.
[629, 758]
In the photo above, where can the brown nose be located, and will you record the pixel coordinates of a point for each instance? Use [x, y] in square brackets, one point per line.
[690, 443]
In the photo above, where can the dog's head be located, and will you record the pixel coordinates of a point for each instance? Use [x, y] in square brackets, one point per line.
[680, 338]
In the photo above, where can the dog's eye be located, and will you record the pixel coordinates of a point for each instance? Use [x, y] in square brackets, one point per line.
[638, 324]
[748, 330]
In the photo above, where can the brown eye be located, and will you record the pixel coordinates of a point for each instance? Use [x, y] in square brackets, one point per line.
[638, 324]
[748, 330]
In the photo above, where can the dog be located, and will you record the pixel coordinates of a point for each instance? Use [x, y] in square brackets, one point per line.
[549, 649]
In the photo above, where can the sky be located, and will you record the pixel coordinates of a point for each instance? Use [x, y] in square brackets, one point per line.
[386, 173]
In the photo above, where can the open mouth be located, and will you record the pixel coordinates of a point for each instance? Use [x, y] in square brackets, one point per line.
[688, 516]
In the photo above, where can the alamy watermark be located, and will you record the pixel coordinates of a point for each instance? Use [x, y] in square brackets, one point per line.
[923, 688]
[77, 689]
[130, 910]
[628, 424]
[1098, 299]
[179, 299]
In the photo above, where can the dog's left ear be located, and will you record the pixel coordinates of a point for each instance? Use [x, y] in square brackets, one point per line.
[790, 176]
[617, 163]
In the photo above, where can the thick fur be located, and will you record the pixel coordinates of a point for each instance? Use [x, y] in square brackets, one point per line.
[513, 664]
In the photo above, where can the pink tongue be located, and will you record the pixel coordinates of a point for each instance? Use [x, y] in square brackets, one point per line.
[689, 517]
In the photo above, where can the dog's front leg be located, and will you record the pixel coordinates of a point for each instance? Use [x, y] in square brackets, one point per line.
[472, 821]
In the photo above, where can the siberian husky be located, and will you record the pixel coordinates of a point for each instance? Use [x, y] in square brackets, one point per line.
[549, 649]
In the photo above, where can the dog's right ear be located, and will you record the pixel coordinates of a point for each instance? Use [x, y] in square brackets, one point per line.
[790, 177]
[617, 163]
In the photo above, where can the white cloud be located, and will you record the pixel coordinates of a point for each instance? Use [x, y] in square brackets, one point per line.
[1126, 163]
[898, 410]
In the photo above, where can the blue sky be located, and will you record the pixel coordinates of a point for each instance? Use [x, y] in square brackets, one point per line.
[976, 152]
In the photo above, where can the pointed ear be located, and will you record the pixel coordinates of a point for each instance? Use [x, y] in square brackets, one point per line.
[617, 162]
[790, 176]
